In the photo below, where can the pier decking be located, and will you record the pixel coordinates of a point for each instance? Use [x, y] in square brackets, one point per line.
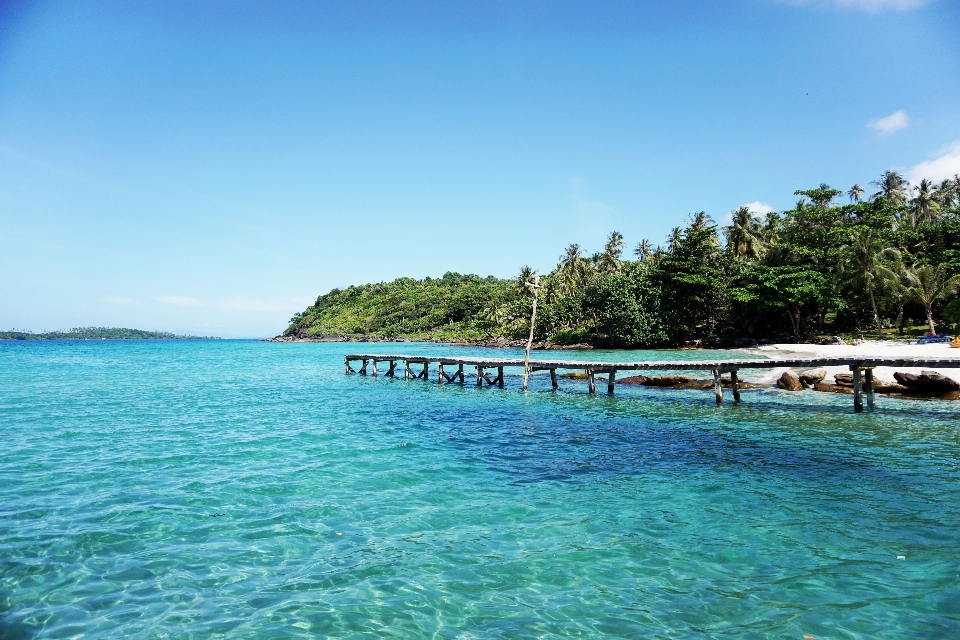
[862, 369]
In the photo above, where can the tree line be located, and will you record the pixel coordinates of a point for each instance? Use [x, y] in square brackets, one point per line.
[836, 262]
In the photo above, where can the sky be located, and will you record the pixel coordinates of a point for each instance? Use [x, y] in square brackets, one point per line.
[211, 168]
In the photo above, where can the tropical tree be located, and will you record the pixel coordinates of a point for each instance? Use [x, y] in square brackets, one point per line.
[526, 275]
[862, 256]
[644, 251]
[930, 284]
[892, 187]
[821, 196]
[609, 260]
[895, 281]
[744, 235]
[855, 193]
[925, 204]
[572, 269]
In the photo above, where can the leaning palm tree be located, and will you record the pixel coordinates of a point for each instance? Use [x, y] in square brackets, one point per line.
[643, 251]
[744, 235]
[609, 260]
[925, 205]
[892, 187]
[864, 254]
[520, 283]
[929, 284]
[855, 193]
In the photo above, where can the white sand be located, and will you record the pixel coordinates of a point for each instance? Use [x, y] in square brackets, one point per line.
[869, 348]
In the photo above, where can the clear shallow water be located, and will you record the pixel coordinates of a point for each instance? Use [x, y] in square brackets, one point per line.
[460, 512]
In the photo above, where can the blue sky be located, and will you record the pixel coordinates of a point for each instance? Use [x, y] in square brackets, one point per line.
[211, 168]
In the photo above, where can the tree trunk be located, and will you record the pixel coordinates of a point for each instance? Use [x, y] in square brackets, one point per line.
[876, 316]
[900, 318]
[795, 323]
[933, 329]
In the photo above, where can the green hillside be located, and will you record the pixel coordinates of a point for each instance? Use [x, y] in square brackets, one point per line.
[97, 333]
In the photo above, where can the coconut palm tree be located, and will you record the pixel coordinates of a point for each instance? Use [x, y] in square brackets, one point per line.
[892, 187]
[526, 275]
[925, 205]
[929, 284]
[609, 260]
[744, 235]
[855, 193]
[895, 281]
[643, 251]
[572, 268]
[948, 193]
[864, 254]
[673, 240]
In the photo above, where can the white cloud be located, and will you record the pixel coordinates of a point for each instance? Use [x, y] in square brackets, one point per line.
[867, 6]
[757, 208]
[946, 165]
[891, 124]
[116, 300]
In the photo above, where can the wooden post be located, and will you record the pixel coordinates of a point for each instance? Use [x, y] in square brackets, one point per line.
[717, 387]
[535, 286]
[479, 377]
[500, 377]
[406, 369]
[591, 385]
[857, 390]
[363, 369]
[441, 376]
[868, 386]
[553, 378]
[374, 367]
[426, 373]
[460, 372]
[611, 380]
[735, 385]
[390, 371]
[346, 363]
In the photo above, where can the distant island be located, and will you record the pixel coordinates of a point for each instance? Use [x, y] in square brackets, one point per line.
[98, 333]
[886, 265]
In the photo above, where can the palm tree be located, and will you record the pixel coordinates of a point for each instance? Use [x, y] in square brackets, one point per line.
[526, 275]
[609, 260]
[572, 268]
[855, 193]
[863, 255]
[896, 283]
[928, 284]
[947, 193]
[673, 240]
[744, 235]
[643, 250]
[925, 205]
[892, 187]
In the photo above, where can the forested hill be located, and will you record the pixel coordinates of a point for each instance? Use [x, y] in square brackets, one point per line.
[877, 264]
[97, 333]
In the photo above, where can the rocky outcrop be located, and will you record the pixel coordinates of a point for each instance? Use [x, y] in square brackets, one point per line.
[668, 381]
[790, 381]
[811, 377]
[928, 383]
[844, 379]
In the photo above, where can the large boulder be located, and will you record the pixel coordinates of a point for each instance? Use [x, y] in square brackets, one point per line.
[929, 382]
[811, 377]
[844, 379]
[790, 381]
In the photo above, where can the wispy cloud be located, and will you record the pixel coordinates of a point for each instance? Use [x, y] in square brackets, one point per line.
[890, 124]
[283, 303]
[867, 6]
[118, 300]
[946, 165]
[758, 208]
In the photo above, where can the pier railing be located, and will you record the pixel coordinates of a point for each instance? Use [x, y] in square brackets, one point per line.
[862, 369]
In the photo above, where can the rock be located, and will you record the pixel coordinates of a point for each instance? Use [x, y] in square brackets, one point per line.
[669, 381]
[574, 375]
[789, 381]
[811, 377]
[633, 380]
[844, 379]
[928, 382]
[833, 388]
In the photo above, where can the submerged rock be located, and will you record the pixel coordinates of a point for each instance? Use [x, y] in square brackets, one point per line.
[668, 381]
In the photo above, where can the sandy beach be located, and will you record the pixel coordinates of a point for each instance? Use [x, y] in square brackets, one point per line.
[884, 375]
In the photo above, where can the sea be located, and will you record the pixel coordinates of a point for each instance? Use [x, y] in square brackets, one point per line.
[247, 489]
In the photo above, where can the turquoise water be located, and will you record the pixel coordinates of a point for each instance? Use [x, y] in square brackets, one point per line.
[356, 506]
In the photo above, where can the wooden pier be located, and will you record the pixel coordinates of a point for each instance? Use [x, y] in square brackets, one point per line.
[862, 369]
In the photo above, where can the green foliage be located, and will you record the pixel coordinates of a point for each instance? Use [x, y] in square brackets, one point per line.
[97, 333]
[818, 268]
